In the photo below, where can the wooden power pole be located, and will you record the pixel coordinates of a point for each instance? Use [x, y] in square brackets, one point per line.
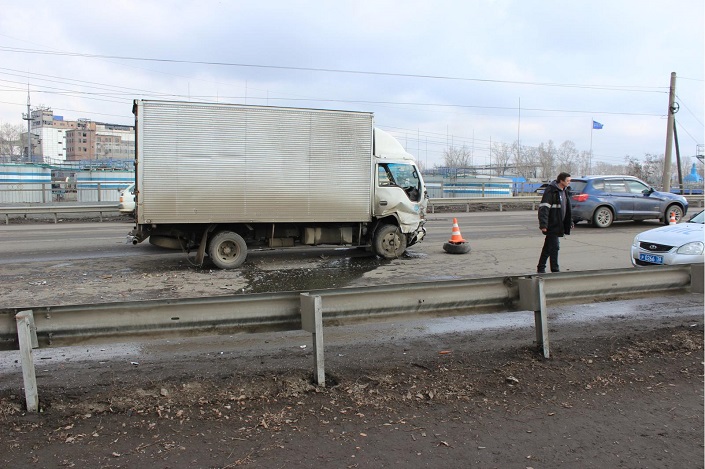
[669, 135]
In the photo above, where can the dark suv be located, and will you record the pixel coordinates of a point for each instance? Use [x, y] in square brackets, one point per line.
[602, 200]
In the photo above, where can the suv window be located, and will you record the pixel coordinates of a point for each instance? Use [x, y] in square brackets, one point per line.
[617, 186]
[637, 187]
[577, 187]
[599, 185]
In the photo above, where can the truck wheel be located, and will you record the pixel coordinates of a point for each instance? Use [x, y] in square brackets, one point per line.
[389, 242]
[228, 250]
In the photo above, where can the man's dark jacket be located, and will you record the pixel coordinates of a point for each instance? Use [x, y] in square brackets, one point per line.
[550, 211]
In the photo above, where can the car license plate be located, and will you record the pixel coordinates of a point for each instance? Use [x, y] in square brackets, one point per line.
[651, 258]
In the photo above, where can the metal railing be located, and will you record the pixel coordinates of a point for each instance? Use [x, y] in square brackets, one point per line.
[308, 310]
[280, 311]
[59, 191]
[695, 201]
[500, 202]
[56, 209]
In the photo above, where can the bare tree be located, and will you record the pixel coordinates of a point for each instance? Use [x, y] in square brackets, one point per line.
[10, 141]
[654, 167]
[454, 157]
[526, 161]
[567, 157]
[582, 164]
[501, 155]
[635, 168]
[546, 160]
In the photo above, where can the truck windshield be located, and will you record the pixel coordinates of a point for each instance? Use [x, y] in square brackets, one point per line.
[404, 176]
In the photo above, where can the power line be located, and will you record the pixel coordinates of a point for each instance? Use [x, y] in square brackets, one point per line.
[332, 70]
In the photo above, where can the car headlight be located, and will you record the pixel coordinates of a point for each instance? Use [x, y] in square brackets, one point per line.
[694, 248]
[635, 243]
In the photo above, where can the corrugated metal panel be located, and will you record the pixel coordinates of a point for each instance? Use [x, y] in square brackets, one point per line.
[24, 183]
[110, 183]
[225, 163]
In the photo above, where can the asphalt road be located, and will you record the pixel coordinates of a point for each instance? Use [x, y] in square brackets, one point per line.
[509, 235]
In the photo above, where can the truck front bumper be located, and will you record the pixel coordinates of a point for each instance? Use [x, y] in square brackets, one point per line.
[418, 235]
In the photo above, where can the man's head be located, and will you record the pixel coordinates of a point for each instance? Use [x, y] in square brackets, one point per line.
[563, 180]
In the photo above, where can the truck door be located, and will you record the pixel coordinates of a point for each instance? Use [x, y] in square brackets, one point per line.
[399, 190]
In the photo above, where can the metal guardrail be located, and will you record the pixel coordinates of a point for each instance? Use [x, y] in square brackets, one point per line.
[468, 201]
[96, 323]
[56, 209]
[516, 200]
[111, 208]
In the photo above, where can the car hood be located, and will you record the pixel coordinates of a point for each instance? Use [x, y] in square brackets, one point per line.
[670, 196]
[674, 235]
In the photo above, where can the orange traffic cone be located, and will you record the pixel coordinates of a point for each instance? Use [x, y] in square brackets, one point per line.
[456, 244]
[455, 236]
[673, 221]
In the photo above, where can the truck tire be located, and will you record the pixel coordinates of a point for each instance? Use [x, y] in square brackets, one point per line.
[228, 250]
[389, 242]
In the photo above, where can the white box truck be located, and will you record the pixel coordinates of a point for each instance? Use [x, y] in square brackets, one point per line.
[219, 178]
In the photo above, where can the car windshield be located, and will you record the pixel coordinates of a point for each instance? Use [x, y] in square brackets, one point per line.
[699, 218]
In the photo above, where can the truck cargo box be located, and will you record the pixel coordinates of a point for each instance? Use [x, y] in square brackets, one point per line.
[225, 163]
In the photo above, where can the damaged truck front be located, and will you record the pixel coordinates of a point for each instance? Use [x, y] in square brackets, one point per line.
[219, 178]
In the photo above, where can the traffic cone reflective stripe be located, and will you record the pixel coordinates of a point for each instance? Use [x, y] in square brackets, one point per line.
[455, 237]
[673, 221]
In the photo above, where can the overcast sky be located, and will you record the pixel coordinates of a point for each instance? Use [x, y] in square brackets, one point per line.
[466, 72]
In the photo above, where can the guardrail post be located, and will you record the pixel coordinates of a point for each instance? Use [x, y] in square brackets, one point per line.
[27, 335]
[312, 321]
[697, 278]
[532, 296]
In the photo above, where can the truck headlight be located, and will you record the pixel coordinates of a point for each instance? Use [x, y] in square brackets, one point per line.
[694, 248]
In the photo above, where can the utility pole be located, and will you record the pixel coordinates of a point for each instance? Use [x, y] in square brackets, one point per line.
[678, 157]
[669, 134]
[28, 118]
[519, 134]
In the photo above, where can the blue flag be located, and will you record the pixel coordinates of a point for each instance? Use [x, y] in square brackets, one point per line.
[596, 125]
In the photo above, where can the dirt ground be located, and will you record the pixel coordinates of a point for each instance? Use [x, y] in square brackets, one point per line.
[622, 393]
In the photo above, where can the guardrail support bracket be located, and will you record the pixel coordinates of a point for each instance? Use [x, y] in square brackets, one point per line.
[312, 321]
[27, 335]
[532, 297]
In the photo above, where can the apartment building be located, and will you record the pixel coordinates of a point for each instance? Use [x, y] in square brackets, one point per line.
[55, 140]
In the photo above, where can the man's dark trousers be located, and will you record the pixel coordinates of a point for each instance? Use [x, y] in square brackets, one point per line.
[549, 251]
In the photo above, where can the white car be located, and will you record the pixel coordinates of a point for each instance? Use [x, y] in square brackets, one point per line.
[682, 243]
[127, 199]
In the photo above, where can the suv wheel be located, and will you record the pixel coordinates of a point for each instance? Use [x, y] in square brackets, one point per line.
[677, 210]
[603, 217]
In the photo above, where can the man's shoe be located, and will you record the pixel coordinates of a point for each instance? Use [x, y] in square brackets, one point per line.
[540, 271]
[555, 271]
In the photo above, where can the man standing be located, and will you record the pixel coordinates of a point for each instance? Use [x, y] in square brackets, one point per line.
[555, 220]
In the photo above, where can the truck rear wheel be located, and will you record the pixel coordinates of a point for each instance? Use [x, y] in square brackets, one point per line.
[228, 250]
[389, 242]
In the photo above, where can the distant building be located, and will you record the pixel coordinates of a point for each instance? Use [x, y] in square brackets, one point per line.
[55, 140]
